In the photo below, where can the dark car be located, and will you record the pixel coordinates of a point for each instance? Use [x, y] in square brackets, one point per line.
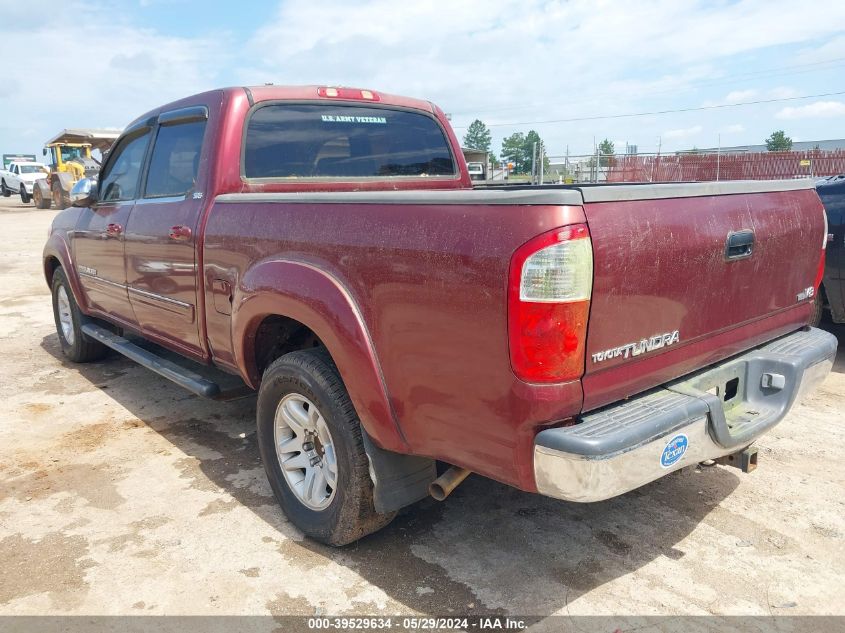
[832, 293]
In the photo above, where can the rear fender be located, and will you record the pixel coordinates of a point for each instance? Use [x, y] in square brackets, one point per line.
[300, 291]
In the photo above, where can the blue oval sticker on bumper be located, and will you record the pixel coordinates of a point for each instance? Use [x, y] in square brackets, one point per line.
[674, 450]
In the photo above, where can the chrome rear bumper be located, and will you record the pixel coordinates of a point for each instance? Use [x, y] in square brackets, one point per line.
[710, 414]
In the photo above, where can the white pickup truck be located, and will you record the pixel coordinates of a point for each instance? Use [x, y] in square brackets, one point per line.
[20, 177]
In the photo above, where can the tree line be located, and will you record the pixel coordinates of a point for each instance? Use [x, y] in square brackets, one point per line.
[519, 148]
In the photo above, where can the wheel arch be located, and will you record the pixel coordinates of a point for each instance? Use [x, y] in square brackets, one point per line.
[298, 294]
[57, 255]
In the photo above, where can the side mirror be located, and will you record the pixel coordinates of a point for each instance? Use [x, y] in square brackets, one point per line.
[43, 151]
[84, 193]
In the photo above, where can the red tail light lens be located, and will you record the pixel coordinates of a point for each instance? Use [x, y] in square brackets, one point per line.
[820, 271]
[551, 280]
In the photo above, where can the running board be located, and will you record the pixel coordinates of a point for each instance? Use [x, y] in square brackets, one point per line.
[192, 381]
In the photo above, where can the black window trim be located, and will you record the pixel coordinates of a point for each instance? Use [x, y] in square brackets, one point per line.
[129, 134]
[190, 114]
[171, 118]
[456, 176]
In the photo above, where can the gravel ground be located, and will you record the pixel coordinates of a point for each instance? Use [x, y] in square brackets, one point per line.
[122, 494]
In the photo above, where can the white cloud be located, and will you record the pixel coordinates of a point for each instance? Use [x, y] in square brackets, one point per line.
[744, 96]
[683, 132]
[108, 73]
[738, 96]
[833, 49]
[734, 128]
[422, 48]
[508, 61]
[735, 96]
[817, 110]
[782, 92]
[527, 60]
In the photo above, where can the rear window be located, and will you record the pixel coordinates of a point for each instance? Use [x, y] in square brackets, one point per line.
[336, 141]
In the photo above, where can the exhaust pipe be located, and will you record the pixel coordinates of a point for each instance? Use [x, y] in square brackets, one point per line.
[443, 486]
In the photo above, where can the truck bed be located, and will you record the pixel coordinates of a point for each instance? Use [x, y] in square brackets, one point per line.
[427, 273]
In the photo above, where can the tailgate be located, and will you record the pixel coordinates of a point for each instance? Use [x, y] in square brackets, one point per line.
[670, 296]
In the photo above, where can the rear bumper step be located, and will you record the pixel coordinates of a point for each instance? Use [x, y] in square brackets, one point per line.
[709, 415]
[182, 376]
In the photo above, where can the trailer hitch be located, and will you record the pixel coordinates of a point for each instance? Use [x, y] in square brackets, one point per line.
[745, 460]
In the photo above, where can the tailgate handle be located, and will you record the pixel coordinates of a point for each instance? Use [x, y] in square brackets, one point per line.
[739, 245]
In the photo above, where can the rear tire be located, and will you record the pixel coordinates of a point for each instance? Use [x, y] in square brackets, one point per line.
[303, 390]
[25, 197]
[4, 189]
[78, 347]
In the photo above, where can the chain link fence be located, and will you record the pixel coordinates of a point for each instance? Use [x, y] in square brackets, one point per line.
[696, 166]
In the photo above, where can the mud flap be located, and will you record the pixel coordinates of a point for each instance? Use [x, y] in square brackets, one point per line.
[398, 480]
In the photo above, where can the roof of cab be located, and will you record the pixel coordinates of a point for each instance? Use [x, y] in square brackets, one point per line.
[271, 92]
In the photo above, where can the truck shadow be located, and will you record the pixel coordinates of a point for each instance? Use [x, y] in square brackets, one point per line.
[464, 556]
[838, 330]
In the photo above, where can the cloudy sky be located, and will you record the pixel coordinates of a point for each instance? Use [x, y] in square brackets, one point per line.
[566, 69]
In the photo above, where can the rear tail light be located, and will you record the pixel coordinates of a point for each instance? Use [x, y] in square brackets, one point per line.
[820, 272]
[551, 280]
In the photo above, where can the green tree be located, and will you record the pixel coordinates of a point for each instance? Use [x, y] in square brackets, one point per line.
[778, 142]
[531, 138]
[513, 151]
[606, 153]
[478, 136]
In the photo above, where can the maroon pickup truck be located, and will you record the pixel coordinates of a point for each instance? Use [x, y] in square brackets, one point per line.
[326, 246]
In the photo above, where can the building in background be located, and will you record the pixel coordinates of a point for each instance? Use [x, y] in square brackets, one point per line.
[797, 146]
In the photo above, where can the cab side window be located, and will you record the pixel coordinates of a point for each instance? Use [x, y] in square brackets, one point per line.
[120, 180]
[175, 160]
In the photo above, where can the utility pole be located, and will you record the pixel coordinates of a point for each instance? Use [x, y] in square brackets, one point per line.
[657, 158]
[534, 163]
[718, 155]
[598, 164]
[566, 163]
[542, 153]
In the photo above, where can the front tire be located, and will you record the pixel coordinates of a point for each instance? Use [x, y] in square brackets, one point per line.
[25, 197]
[40, 201]
[59, 197]
[311, 446]
[69, 320]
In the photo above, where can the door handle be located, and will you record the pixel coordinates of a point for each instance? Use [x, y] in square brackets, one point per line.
[739, 244]
[114, 230]
[181, 233]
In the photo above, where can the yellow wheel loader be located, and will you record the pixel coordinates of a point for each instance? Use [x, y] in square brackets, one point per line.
[70, 151]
